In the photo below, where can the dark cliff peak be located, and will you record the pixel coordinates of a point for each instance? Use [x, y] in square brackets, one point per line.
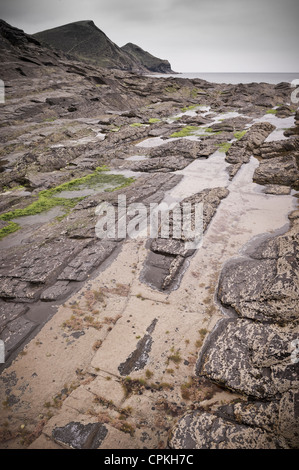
[152, 63]
[16, 36]
[84, 40]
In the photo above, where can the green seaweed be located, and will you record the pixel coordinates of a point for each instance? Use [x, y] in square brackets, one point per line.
[271, 111]
[189, 108]
[209, 130]
[239, 134]
[8, 229]
[185, 131]
[224, 147]
[44, 203]
[47, 198]
[136, 124]
[171, 89]
[154, 120]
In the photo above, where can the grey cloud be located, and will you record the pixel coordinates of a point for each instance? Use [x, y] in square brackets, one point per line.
[201, 35]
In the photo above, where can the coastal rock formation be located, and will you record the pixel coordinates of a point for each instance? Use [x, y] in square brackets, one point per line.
[79, 311]
[83, 40]
[293, 130]
[255, 354]
[241, 150]
[147, 60]
[279, 164]
[167, 256]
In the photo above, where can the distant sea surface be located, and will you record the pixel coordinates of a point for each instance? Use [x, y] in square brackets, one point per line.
[235, 78]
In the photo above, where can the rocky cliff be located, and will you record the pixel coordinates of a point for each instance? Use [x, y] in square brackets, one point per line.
[85, 41]
[147, 60]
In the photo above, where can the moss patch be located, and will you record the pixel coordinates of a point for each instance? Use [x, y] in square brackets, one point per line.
[239, 134]
[137, 124]
[271, 111]
[47, 199]
[224, 147]
[8, 229]
[189, 108]
[154, 120]
[185, 131]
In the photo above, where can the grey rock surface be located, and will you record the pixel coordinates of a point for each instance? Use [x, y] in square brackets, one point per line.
[254, 354]
[80, 436]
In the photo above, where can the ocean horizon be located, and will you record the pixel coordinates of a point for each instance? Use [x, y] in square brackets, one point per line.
[237, 77]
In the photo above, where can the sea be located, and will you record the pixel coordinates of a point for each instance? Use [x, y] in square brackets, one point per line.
[235, 78]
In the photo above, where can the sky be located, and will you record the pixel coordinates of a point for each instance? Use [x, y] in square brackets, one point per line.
[194, 35]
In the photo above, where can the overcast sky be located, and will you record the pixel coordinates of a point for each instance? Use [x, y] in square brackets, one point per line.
[194, 35]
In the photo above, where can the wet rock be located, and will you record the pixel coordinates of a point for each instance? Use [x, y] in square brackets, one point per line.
[80, 436]
[173, 271]
[162, 130]
[265, 288]
[242, 149]
[169, 246]
[86, 261]
[44, 180]
[42, 263]
[9, 311]
[167, 256]
[288, 417]
[268, 150]
[277, 190]
[251, 358]
[196, 120]
[183, 147]
[278, 170]
[19, 290]
[156, 269]
[255, 355]
[58, 291]
[162, 164]
[284, 111]
[139, 358]
[293, 131]
[15, 333]
[208, 431]
[233, 169]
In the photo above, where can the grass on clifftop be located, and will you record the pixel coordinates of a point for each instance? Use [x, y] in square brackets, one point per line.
[47, 199]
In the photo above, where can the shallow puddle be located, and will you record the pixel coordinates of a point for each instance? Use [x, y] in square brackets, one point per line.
[281, 125]
[200, 175]
[41, 218]
[84, 191]
[137, 158]
[154, 142]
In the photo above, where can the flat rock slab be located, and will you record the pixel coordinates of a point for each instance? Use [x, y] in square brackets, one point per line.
[9, 311]
[278, 170]
[139, 357]
[166, 257]
[241, 150]
[277, 190]
[56, 292]
[207, 431]
[15, 333]
[251, 358]
[80, 436]
[87, 260]
[264, 286]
